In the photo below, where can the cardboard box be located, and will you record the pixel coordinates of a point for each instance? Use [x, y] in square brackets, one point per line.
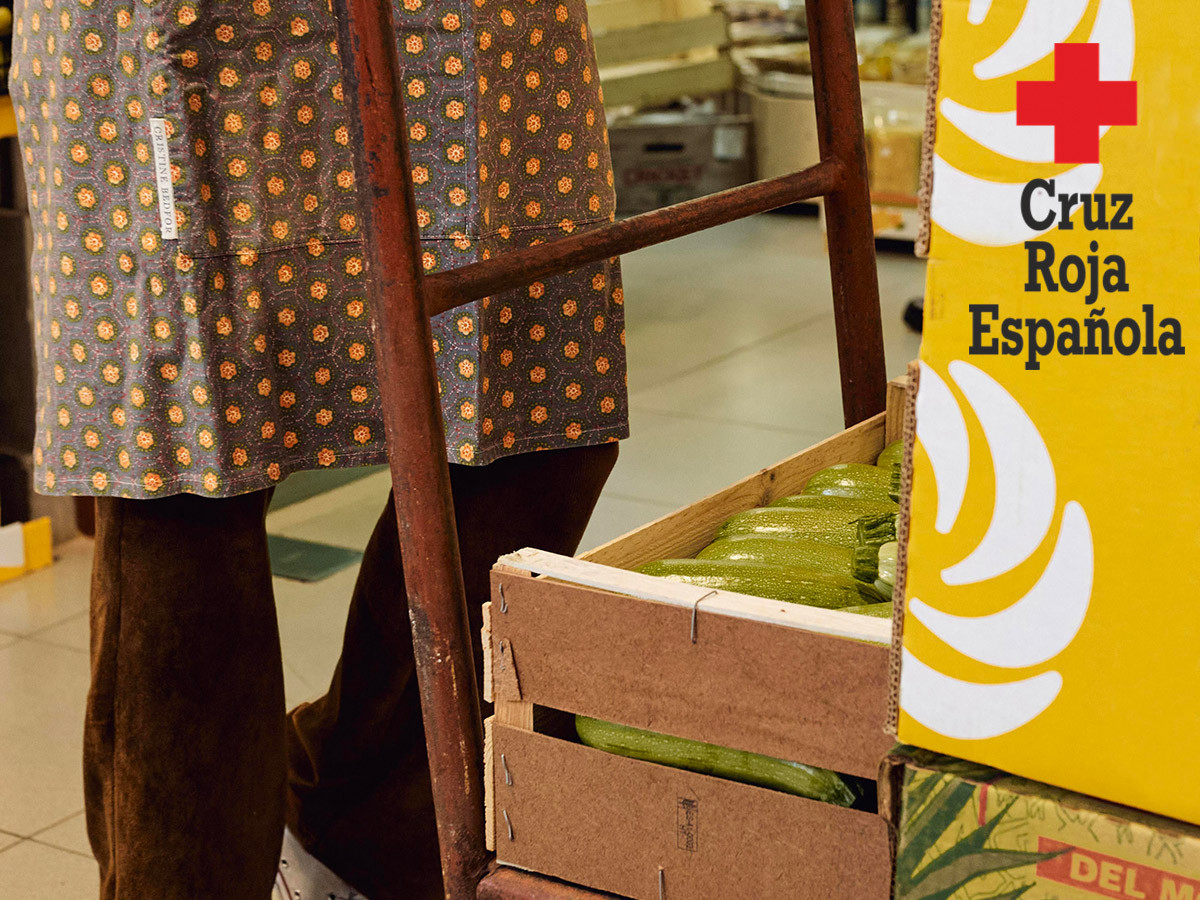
[591, 637]
[664, 158]
[1055, 494]
[965, 830]
[652, 53]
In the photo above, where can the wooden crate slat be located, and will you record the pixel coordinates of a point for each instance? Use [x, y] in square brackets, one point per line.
[728, 603]
[648, 84]
[610, 15]
[747, 684]
[690, 530]
[658, 40]
[576, 811]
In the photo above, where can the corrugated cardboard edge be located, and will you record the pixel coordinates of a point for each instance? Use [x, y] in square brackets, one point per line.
[898, 590]
[925, 188]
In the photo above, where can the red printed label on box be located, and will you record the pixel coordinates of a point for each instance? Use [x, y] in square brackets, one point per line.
[1108, 876]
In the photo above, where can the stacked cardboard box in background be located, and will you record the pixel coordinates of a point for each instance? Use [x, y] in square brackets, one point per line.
[967, 831]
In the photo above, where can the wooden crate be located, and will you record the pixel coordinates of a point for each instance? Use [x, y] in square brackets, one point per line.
[652, 52]
[589, 636]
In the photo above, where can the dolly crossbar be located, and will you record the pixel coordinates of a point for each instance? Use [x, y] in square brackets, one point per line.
[512, 884]
[516, 269]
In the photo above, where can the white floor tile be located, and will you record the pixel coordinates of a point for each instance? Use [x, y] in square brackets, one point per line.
[702, 297]
[676, 460]
[33, 871]
[698, 298]
[50, 595]
[69, 835]
[42, 693]
[296, 688]
[312, 619]
[790, 381]
[74, 633]
[345, 516]
[615, 516]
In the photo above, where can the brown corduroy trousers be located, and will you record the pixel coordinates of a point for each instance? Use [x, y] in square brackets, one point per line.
[192, 765]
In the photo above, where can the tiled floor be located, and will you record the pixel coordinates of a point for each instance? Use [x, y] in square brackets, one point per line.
[732, 367]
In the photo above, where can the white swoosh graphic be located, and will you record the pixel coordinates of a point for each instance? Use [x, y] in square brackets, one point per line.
[999, 132]
[1025, 484]
[1043, 24]
[1113, 31]
[967, 711]
[978, 11]
[1041, 624]
[943, 433]
[987, 212]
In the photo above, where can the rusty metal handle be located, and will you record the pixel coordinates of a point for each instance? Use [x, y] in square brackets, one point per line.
[446, 290]
[433, 578]
[849, 228]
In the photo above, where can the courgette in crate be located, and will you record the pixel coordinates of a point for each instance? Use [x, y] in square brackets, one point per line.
[824, 501]
[886, 563]
[892, 455]
[882, 560]
[787, 583]
[722, 762]
[782, 551]
[856, 480]
[828, 526]
[878, 610]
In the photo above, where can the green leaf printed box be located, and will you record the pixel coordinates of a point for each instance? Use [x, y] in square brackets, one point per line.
[968, 832]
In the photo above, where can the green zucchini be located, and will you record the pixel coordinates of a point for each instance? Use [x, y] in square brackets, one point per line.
[878, 610]
[864, 563]
[824, 501]
[860, 563]
[892, 455]
[878, 529]
[855, 480]
[787, 583]
[722, 762]
[782, 551]
[828, 526]
[886, 560]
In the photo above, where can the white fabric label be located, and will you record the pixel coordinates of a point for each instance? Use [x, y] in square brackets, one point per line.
[12, 546]
[162, 176]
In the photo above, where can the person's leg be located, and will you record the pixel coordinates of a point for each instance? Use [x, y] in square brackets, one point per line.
[184, 738]
[359, 796]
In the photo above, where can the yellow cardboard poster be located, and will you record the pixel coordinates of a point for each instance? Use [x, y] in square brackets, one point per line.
[1051, 625]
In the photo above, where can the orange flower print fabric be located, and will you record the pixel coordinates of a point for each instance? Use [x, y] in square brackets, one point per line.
[219, 361]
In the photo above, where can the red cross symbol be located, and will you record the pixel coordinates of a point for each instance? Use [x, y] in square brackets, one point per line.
[1077, 103]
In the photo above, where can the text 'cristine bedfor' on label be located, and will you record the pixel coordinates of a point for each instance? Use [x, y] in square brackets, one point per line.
[162, 178]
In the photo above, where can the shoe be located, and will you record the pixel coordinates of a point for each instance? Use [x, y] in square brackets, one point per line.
[302, 876]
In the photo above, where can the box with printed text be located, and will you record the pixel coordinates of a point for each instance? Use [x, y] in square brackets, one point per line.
[1055, 495]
